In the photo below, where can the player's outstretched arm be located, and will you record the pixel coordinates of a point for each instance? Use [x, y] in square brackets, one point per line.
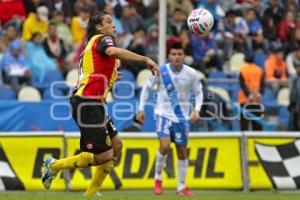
[124, 54]
[197, 88]
[151, 83]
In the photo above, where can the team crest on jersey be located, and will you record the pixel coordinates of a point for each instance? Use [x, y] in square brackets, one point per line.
[178, 135]
[169, 86]
[108, 41]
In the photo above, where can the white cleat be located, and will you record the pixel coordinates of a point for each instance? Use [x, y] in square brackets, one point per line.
[48, 174]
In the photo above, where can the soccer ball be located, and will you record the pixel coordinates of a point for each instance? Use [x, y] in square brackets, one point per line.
[200, 21]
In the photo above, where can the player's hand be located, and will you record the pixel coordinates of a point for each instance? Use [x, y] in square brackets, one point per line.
[195, 116]
[152, 66]
[140, 116]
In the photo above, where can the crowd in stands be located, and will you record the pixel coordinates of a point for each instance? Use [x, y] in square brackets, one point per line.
[41, 36]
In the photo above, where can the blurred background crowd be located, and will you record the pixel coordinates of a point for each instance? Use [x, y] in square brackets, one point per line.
[41, 41]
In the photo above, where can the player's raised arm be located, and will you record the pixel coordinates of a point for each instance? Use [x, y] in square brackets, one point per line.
[197, 88]
[124, 54]
[152, 81]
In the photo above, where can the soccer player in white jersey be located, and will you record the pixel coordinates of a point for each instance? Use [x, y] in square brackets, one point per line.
[173, 111]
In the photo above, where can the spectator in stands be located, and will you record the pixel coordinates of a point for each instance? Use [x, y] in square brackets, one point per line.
[140, 8]
[79, 23]
[292, 5]
[36, 22]
[151, 43]
[177, 22]
[293, 41]
[55, 48]
[286, 25]
[228, 5]
[252, 86]
[274, 11]
[293, 60]
[187, 46]
[10, 34]
[269, 33]
[131, 20]
[117, 22]
[203, 47]
[214, 7]
[225, 34]
[250, 31]
[183, 5]
[136, 45]
[38, 60]
[92, 6]
[294, 106]
[15, 66]
[255, 32]
[62, 29]
[275, 67]
[61, 6]
[31, 6]
[154, 20]
[11, 9]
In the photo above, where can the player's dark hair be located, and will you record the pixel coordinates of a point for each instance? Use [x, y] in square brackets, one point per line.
[94, 20]
[176, 45]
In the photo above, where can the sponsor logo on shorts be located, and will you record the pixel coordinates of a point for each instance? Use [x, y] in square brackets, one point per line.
[89, 145]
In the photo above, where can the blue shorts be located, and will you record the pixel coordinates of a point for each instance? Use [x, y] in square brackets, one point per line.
[178, 132]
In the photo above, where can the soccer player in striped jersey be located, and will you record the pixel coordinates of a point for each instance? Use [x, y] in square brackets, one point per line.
[173, 112]
[99, 142]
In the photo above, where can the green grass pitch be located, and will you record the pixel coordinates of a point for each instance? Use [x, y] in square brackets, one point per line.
[147, 195]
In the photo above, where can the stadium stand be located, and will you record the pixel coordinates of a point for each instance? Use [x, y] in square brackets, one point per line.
[7, 93]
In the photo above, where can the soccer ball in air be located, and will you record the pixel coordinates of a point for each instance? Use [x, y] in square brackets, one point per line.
[200, 21]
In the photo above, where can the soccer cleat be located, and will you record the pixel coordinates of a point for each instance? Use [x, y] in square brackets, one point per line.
[48, 174]
[158, 187]
[184, 192]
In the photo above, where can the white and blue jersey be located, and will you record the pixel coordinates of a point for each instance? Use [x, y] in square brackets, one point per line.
[173, 106]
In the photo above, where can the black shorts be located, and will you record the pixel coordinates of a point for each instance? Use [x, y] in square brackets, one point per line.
[96, 128]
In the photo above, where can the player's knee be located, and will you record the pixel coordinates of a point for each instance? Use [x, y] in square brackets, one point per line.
[164, 148]
[119, 145]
